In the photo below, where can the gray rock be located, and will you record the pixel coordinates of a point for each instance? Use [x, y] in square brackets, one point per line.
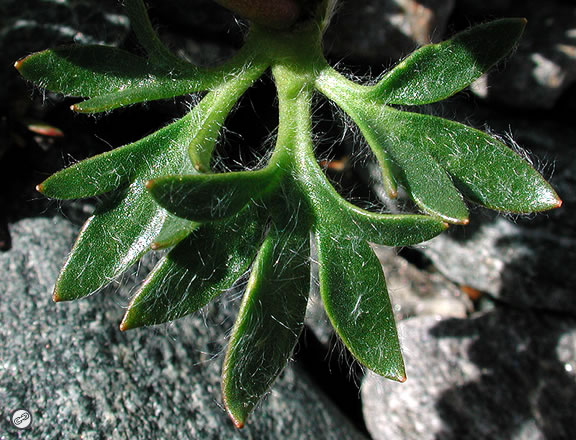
[373, 30]
[526, 267]
[524, 260]
[79, 376]
[414, 292]
[502, 375]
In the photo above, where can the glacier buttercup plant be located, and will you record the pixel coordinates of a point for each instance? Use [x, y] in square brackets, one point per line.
[161, 192]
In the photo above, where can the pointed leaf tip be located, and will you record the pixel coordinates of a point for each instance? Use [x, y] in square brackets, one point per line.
[239, 424]
[558, 203]
[18, 64]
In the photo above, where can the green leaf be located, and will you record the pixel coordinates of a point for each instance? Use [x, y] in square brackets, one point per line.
[269, 321]
[93, 70]
[209, 197]
[353, 291]
[113, 239]
[437, 71]
[197, 270]
[413, 165]
[108, 171]
[114, 78]
[219, 102]
[427, 183]
[484, 169]
[123, 229]
[174, 230]
[334, 212]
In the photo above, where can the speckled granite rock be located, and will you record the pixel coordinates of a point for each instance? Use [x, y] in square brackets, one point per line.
[79, 376]
[527, 268]
[503, 375]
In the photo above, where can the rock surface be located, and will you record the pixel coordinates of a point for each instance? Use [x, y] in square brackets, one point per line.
[414, 292]
[78, 375]
[504, 375]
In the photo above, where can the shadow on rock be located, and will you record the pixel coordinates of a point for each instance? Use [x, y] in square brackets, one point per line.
[518, 364]
[520, 386]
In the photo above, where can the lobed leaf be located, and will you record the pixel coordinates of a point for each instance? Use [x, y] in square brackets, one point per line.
[114, 78]
[219, 102]
[484, 169]
[197, 270]
[427, 183]
[269, 322]
[108, 171]
[209, 197]
[111, 76]
[413, 165]
[353, 291]
[113, 239]
[437, 71]
[334, 212]
[121, 231]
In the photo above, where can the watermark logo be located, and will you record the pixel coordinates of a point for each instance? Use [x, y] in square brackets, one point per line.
[21, 418]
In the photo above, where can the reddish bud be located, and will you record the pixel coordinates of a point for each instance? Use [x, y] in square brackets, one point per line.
[277, 14]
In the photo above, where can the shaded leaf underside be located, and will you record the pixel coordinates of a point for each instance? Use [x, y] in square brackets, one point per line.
[269, 322]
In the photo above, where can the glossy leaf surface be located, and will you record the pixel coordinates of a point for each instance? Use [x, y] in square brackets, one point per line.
[113, 77]
[197, 270]
[174, 230]
[122, 230]
[484, 169]
[334, 212]
[269, 321]
[427, 183]
[113, 239]
[108, 171]
[437, 71]
[354, 294]
[436, 159]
